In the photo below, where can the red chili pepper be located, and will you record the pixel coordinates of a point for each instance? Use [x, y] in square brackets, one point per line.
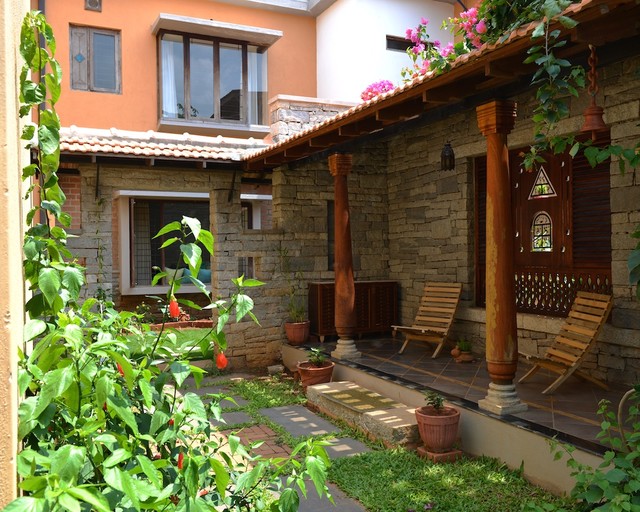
[174, 309]
[221, 361]
[171, 422]
[104, 406]
[120, 370]
[203, 492]
[180, 460]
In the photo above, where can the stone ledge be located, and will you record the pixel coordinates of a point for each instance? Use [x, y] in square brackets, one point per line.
[379, 417]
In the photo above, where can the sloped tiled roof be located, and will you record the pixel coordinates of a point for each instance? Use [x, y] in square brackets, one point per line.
[152, 144]
[472, 69]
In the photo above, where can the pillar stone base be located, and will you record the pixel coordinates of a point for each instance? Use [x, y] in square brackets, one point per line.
[346, 349]
[502, 399]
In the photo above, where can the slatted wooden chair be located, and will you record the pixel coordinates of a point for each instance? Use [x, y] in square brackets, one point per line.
[588, 314]
[435, 315]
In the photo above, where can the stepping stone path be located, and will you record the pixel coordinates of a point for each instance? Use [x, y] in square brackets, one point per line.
[298, 421]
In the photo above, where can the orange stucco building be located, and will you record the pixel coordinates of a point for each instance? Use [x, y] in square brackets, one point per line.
[135, 106]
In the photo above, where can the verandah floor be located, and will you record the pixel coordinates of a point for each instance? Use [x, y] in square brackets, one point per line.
[570, 414]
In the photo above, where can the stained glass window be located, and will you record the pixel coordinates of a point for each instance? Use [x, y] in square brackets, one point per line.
[542, 187]
[541, 231]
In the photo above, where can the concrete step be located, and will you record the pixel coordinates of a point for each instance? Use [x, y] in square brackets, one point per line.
[381, 418]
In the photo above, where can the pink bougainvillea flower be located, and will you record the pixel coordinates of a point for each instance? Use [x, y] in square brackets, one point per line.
[424, 21]
[481, 27]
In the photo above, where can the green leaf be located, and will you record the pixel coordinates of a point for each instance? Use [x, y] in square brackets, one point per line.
[192, 256]
[154, 476]
[91, 496]
[68, 502]
[538, 31]
[193, 404]
[122, 481]
[26, 504]
[123, 411]
[56, 382]
[67, 462]
[49, 283]
[633, 264]
[317, 471]
[48, 139]
[206, 239]
[118, 456]
[222, 476]
[194, 226]
[74, 334]
[147, 392]
[180, 371]
[172, 226]
[289, 500]
[244, 305]
[73, 280]
[33, 329]
[169, 241]
[591, 154]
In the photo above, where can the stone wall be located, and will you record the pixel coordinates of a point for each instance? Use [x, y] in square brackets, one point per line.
[292, 114]
[428, 234]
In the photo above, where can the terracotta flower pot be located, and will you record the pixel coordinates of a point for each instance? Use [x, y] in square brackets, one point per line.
[464, 357]
[438, 431]
[297, 332]
[310, 374]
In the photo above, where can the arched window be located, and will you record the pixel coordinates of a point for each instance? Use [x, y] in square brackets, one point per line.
[541, 233]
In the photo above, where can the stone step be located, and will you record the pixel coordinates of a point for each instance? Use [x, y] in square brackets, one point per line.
[379, 417]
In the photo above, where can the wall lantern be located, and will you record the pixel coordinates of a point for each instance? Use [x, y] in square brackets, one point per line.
[447, 157]
[593, 121]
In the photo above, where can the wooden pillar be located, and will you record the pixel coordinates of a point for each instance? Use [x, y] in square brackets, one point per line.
[345, 303]
[496, 120]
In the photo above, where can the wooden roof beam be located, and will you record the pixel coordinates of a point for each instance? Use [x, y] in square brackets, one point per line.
[507, 68]
[298, 151]
[401, 111]
[327, 139]
[368, 125]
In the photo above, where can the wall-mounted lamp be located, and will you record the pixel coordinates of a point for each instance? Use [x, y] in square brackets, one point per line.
[447, 157]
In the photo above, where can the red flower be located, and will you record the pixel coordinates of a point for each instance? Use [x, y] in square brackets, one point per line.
[180, 460]
[120, 370]
[221, 361]
[174, 309]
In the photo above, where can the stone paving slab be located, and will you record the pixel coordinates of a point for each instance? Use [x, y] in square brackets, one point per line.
[345, 447]
[232, 418]
[312, 503]
[299, 421]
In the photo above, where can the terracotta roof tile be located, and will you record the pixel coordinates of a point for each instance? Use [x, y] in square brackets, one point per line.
[154, 144]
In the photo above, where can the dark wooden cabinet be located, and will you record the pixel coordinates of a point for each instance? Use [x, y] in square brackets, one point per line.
[376, 307]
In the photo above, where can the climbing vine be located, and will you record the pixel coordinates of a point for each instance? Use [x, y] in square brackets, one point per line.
[105, 422]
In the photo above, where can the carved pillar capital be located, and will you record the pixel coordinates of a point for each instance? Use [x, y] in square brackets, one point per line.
[496, 117]
[340, 164]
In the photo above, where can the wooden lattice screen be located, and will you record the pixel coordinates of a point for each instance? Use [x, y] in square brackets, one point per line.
[549, 290]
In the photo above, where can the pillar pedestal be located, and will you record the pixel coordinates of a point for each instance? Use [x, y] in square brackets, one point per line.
[346, 349]
[502, 399]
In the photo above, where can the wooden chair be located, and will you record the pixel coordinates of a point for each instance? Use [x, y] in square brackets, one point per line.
[435, 315]
[588, 314]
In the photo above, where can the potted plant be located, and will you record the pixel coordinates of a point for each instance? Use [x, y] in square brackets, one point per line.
[437, 424]
[462, 352]
[297, 325]
[317, 369]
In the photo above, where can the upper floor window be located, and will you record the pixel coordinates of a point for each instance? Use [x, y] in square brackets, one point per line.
[95, 59]
[213, 76]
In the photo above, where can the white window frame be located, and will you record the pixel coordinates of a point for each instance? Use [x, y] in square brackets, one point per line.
[122, 198]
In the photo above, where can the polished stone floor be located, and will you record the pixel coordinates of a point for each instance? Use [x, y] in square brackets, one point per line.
[570, 414]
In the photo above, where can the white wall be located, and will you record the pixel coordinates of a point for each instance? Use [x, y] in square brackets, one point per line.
[351, 42]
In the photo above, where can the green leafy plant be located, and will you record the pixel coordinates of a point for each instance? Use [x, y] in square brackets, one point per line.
[464, 345]
[614, 486]
[435, 400]
[104, 424]
[317, 357]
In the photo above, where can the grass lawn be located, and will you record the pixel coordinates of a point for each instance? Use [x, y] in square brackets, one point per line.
[398, 480]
